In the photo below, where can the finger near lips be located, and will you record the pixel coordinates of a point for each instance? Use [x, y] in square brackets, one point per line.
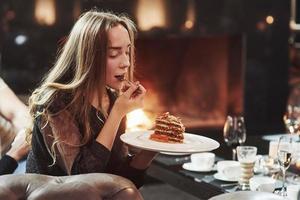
[125, 87]
[137, 88]
[129, 92]
[140, 91]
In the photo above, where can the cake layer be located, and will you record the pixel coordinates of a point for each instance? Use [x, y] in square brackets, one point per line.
[168, 128]
[169, 133]
[165, 121]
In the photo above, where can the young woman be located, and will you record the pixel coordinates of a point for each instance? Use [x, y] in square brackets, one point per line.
[79, 108]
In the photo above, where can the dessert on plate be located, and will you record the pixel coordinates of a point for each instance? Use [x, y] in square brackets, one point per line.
[168, 128]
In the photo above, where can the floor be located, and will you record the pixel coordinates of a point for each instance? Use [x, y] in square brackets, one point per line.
[160, 191]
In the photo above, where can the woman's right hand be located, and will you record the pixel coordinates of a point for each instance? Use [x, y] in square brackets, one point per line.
[19, 148]
[131, 99]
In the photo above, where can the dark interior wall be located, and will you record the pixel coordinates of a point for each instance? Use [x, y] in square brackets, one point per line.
[266, 75]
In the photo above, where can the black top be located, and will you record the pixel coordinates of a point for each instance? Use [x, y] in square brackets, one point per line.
[7, 165]
[92, 157]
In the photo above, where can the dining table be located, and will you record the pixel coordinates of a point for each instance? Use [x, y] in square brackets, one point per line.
[168, 168]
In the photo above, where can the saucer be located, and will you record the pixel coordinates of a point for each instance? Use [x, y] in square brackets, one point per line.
[190, 167]
[223, 178]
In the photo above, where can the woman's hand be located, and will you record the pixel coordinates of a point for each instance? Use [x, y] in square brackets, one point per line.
[143, 159]
[19, 148]
[130, 99]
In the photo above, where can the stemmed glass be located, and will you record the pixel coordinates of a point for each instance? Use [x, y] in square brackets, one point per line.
[284, 154]
[234, 133]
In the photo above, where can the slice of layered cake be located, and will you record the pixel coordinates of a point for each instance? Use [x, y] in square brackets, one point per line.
[168, 128]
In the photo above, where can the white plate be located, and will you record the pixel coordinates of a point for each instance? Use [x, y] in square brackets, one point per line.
[247, 195]
[223, 178]
[190, 167]
[174, 154]
[191, 144]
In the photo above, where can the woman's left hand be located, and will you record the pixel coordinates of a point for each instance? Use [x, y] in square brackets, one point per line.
[143, 159]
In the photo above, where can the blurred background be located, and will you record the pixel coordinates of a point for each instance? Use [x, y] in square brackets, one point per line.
[199, 59]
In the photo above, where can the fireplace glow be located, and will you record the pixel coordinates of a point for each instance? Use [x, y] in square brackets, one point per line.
[190, 15]
[45, 12]
[151, 14]
[137, 120]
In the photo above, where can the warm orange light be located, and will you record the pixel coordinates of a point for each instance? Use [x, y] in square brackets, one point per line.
[270, 19]
[151, 14]
[45, 12]
[137, 120]
[189, 24]
[190, 15]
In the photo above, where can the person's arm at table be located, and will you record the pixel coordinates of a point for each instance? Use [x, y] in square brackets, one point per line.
[13, 109]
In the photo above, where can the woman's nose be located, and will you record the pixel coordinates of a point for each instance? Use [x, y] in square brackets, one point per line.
[125, 62]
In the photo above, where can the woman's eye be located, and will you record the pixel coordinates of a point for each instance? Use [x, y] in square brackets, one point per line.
[113, 54]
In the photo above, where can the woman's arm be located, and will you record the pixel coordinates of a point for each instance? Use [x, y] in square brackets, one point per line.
[143, 159]
[123, 105]
[13, 109]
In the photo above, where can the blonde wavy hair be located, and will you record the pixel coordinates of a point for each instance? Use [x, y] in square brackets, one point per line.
[80, 69]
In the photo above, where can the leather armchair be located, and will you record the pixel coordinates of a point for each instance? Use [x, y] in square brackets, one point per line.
[95, 186]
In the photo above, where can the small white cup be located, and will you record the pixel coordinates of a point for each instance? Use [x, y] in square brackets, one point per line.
[273, 146]
[204, 160]
[293, 192]
[262, 184]
[229, 169]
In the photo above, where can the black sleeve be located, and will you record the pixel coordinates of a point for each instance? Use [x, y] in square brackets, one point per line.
[7, 165]
[92, 158]
[137, 176]
[88, 158]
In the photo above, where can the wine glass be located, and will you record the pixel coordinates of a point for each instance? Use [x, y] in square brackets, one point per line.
[234, 133]
[284, 156]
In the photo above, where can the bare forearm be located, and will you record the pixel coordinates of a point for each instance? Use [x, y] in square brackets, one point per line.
[21, 120]
[108, 133]
[13, 109]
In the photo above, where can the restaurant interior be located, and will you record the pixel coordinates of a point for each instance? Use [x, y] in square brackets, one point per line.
[208, 62]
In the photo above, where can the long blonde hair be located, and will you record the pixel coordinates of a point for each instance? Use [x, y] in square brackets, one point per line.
[80, 68]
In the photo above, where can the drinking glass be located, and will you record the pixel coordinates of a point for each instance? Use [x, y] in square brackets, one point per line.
[234, 133]
[284, 156]
[247, 157]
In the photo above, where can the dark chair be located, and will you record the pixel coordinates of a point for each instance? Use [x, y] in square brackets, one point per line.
[96, 186]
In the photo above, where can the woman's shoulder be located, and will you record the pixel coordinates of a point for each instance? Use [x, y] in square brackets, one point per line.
[59, 102]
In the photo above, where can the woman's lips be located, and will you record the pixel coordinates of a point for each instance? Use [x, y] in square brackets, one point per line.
[120, 77]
